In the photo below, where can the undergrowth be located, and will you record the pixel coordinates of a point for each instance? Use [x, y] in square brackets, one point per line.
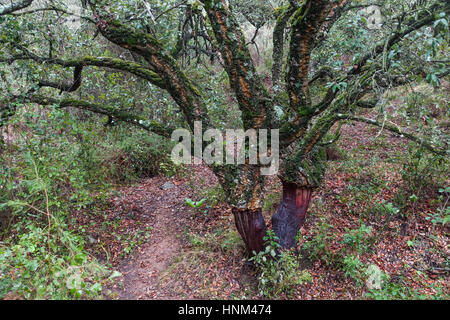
[53, 166]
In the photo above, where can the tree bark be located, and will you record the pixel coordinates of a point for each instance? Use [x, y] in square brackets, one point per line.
[291, 214]
[251, 226]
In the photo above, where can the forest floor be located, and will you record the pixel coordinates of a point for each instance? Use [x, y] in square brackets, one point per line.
[165, 249]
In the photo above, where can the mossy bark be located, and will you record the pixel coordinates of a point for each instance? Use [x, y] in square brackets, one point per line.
[278, 44]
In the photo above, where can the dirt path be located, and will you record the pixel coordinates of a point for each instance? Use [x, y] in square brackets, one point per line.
[142, 270]
[158, 203]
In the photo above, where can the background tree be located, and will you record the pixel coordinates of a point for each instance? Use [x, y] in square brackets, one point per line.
[311, 89]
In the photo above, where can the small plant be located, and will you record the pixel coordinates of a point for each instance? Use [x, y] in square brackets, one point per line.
[231, 241]
[318, 246]
[382, 286]
[169, 168]
[352, 266]
[278, 273]
[195, 204]
[383, 210]
[358, 239]
[442, 216]
[214, 195]
[401, 289]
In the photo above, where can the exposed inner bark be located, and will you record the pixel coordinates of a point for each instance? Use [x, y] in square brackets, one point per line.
[251, 226]
[291, 214]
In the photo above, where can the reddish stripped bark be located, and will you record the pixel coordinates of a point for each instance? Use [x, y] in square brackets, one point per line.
[291, 214]
[251, 226]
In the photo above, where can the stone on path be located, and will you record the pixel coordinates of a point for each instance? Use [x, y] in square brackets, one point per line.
[167, 186]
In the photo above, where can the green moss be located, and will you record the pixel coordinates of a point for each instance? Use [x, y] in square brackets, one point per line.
[309, 170]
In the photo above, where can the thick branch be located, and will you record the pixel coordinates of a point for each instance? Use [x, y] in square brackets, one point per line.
[15, 6]
[278, 44]
[307, 22]
[66, 87]
[105, 62]
[252, 96]
[322, 73]
[175, 81]
[335, 12]
[310, 22]
[112, 111]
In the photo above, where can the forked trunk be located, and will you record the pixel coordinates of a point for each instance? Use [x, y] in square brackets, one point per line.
[251, 226]
[291, 214]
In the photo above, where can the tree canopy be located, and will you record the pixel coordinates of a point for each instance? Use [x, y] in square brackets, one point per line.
[170, 58]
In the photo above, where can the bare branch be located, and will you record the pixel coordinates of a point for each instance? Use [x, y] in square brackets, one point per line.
[55, 9]
[394, 129]
[424, 18]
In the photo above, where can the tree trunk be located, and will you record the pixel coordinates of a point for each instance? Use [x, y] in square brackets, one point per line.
[251, 226]
[291, 214]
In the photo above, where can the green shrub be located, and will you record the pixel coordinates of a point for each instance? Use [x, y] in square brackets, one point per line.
[402, 288]
[48, 264]
[423, 173]
[44, 181]
[40, 257]
[352, 267]
[442, 216]
[319, 243]
[358, 239]
[278, 273]
[383, 210]
[214, 195]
